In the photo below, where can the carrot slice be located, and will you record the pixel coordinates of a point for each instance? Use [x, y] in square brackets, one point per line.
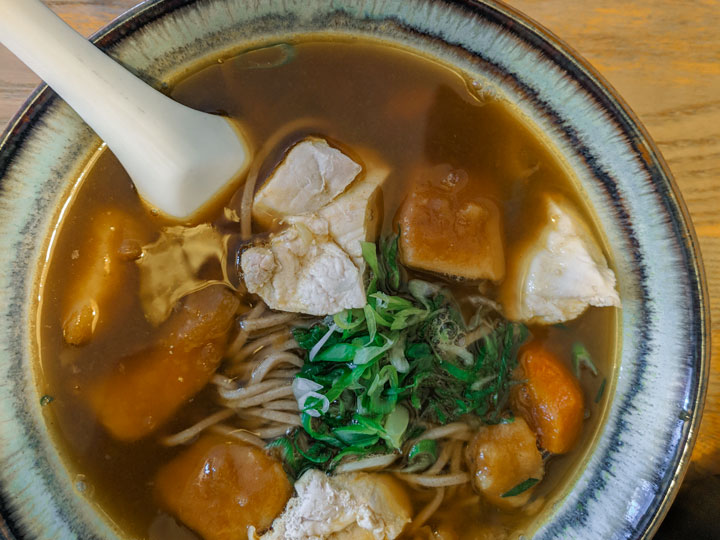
[551, 401]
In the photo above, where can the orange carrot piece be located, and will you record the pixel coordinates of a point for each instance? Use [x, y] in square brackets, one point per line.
[551, 401]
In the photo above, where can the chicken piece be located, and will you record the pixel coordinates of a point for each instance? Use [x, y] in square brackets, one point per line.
[551, 400]
[146, 388]
[170, 266]
[356, 215]
[312, 174]
[353, 506]
[219, 488]
[448, 228]
[500, 458]
[302, 270]
[103, 271]
[561, 273]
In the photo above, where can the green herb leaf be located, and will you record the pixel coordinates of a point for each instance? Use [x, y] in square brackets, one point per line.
[369, 253]
[600, 391]
[307, 337]
[521, 487]
[390, 252]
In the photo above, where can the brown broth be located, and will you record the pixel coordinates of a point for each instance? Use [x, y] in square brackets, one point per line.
[414, 113]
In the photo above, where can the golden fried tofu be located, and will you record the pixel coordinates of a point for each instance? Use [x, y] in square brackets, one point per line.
[146, 388]
[501, 457]
[448, 228]
[103, 270]
[219, 488]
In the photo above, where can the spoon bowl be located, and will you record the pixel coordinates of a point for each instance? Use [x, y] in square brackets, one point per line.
[178, 158]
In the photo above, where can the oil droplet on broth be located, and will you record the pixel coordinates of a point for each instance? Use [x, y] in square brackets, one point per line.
[82, 486]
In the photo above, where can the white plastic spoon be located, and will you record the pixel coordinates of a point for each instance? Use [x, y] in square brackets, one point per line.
[178, 158]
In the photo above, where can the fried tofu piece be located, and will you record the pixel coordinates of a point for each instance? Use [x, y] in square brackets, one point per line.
[103, 272]
[357, 506]
[312, 174]
[146, 388]
[502, 457]
[219, 488]
[555, 277]
[446, 227]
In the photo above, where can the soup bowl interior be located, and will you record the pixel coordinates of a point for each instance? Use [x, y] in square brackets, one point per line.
[625, 481]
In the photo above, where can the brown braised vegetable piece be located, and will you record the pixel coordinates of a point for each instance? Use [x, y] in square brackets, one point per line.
[447, 226]
[103, 271]
[505, 463]
[146, 388]
[551, 400]
[218, 488]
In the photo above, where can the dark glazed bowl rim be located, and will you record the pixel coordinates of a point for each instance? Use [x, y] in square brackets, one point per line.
[537, 37]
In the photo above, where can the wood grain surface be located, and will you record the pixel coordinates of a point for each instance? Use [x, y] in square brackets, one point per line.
[663, 56]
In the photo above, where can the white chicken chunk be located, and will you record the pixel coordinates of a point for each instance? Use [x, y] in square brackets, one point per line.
[302, 270]
[315, 266]
[356, 215]
[312, 174]
[358, 506]
[561, 273]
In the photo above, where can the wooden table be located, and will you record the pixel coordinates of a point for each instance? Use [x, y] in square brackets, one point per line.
[663, 56]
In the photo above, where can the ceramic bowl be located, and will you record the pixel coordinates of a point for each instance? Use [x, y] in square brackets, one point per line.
[629, 476]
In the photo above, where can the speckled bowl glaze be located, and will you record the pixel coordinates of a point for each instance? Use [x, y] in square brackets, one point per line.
[631, 474]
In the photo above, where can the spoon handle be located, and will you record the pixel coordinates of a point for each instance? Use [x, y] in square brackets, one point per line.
[177, 157]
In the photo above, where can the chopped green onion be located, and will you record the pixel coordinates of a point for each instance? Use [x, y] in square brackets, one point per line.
[581, 357]
[395, 426]
[322, 341]
[344, 320]
[376, 376]
[370, 321]
[340, 352]
[369, 253]
[421, 456]
[307, 337]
